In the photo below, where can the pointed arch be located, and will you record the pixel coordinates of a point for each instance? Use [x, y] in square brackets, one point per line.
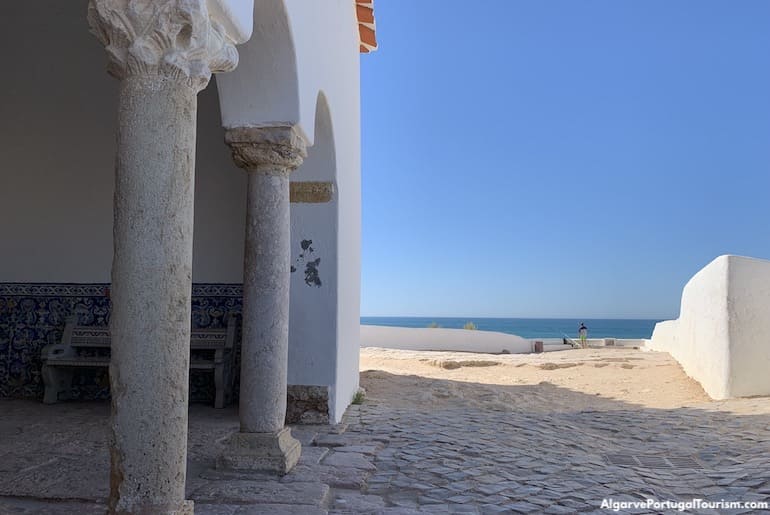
[313, 306]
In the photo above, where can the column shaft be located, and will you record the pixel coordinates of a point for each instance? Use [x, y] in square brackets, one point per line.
[265, 344]
[269, 155]
[151, 290]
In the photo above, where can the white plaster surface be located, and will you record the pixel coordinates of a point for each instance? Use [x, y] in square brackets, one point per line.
[665, 333]
[57, 227]
[237, 16]
[313, 313]
[722, 335]
[220, 200]
[300, 52]
[306, 47]
[265, 89]
[441, 339]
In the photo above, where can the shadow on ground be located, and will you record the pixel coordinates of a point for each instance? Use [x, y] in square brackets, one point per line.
[449, 447]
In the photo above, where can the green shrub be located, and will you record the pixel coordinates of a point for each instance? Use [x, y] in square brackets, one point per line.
[433, 325]
[470, 326]
[359, 396]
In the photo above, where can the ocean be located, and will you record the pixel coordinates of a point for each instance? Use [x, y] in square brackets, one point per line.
[531, 327]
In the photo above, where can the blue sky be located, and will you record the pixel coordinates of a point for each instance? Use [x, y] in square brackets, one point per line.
[561, 158]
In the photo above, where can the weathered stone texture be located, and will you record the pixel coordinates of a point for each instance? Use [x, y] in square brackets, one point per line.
[269, 155]
[263, 492]
[265, 347]
[275, 452]
[171, 38]
[310, 192]
[268, 150]
[151, 290]
[164, 53]
[307, 404]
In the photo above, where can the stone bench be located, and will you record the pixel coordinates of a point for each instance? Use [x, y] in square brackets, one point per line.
[89, 347]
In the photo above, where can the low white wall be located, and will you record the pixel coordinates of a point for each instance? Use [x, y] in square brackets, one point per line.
[722, 336]
[748, 306]
[463, 340]
[596, 342]
[409, 338]
[664, 335]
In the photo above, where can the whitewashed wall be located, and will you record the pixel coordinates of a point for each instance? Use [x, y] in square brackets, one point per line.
[58, 113]
[57, 124]
[722, 336]
[441, 339]
[299, 52]
[313, 311]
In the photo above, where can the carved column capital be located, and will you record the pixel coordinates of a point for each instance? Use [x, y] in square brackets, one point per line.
[267, 150]
[173, 38]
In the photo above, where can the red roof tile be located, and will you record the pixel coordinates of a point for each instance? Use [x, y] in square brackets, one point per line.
[366, 26]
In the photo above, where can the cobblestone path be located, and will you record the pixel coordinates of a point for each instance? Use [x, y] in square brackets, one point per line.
[388, 458]
[475, 461]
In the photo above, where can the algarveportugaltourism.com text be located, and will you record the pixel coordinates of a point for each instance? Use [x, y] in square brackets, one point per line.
[694, 504]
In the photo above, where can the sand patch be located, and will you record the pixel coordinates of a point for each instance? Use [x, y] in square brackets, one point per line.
[554, 381]
[518, 382]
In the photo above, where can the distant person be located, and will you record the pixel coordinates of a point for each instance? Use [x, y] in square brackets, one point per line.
[583, 332]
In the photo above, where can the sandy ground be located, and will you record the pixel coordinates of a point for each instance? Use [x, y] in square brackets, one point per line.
[580, 379]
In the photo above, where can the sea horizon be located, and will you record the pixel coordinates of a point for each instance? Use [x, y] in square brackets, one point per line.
[631, 328]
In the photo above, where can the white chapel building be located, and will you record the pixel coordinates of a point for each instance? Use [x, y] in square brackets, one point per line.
[167, 167]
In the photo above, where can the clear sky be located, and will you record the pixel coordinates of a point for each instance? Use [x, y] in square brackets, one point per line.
[561, 158]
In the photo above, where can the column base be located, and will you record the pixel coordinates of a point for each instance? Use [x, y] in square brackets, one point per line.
[261, 452]
[183, 508]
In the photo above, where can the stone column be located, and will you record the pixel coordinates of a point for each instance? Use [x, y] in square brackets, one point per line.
[163, 53]
[269, 155]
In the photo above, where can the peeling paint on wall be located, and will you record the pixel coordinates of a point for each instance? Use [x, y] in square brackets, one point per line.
[312, 277]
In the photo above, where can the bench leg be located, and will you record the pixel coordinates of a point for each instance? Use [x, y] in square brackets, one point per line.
[56, 381]
[219, 385]
[229, 378]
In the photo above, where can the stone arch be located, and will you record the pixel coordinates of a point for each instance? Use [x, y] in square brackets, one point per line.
[313, 306]
[321, 161]
[264, 88]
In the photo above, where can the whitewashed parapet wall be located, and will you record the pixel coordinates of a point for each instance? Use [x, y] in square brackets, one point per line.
[722, 336]
[301, 69]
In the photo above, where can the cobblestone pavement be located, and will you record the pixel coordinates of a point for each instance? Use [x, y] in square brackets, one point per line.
[474, 461]
[405, 460]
